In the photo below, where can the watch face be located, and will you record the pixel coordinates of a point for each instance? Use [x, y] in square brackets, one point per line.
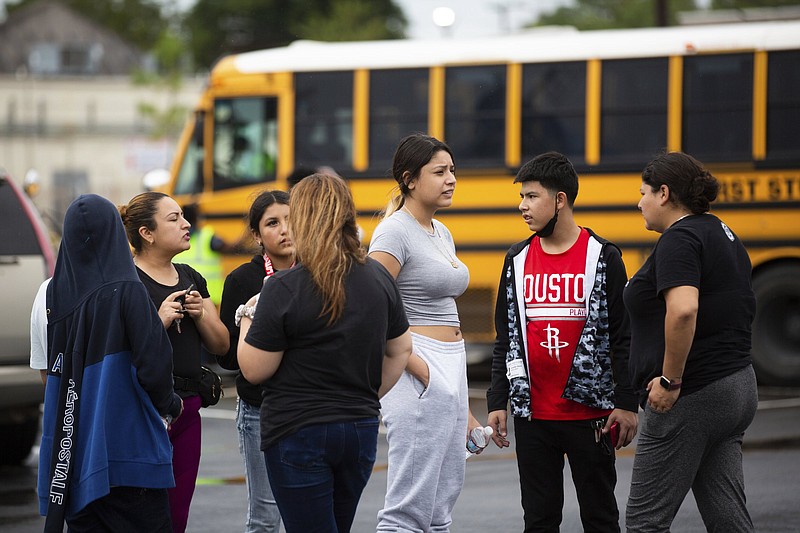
[670, 385]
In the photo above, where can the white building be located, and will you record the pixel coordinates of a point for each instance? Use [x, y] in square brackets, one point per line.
[70, 112]
[84, 135]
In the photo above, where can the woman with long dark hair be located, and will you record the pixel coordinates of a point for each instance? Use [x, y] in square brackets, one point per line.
[268, 223]
[430, 403]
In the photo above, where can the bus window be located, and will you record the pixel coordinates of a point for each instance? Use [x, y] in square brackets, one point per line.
[718, 107]
[190, 175]
[398, 105]
[783, 105]
[475, 111]
[323, 120]
[554, 109]
[633, 110]
[245, 141]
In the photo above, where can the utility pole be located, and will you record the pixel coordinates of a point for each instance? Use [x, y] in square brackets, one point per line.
[662, 19]
[503, 9]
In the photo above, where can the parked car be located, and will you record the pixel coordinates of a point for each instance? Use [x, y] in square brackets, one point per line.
[26, 259]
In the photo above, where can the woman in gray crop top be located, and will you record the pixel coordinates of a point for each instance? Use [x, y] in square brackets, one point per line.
[427, 413]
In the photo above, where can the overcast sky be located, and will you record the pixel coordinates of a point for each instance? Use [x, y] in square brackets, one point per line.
[472, 17]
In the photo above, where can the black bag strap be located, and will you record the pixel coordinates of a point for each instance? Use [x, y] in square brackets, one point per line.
[186, 384]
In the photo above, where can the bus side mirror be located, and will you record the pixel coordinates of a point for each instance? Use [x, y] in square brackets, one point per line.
[31, 183]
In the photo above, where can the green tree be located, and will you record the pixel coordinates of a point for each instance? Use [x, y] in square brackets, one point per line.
[139, 22]
[741, 4]
[219, 28]
[608, 14]
[354, 20]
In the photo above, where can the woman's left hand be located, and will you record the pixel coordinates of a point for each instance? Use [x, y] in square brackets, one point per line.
[660, 399]
[193, 305]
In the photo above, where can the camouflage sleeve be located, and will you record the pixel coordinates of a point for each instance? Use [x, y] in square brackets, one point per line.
[619, 326]
[497, 395]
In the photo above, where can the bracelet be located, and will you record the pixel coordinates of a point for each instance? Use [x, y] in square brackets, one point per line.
[202, 314]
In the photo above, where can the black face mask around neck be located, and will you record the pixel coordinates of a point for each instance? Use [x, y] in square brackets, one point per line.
[548, 228]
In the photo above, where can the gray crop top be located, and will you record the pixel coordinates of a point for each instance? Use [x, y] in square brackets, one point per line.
[427, 280]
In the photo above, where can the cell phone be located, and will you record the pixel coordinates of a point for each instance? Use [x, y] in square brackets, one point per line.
[613, 432]
[182, 297]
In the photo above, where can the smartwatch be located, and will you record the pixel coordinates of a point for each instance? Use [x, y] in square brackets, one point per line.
[670, 384]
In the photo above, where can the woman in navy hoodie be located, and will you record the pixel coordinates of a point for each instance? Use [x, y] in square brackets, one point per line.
[105, 461]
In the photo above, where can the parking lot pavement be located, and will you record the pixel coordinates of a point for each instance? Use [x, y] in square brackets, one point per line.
[490, 499]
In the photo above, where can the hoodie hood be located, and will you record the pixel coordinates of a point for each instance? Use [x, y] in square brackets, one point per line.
[94, 252]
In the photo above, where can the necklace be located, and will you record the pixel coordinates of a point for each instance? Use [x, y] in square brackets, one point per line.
[438, 241]
[430, 233]
[440, 245]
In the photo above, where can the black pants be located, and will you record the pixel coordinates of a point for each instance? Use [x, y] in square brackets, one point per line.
[541, 446]
[125, 510]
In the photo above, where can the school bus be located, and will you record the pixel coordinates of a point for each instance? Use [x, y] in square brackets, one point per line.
[610, 100]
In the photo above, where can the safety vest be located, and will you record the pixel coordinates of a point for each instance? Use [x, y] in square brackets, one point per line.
[206, 261]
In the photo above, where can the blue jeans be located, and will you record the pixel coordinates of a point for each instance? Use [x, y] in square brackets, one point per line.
[262, 511]
[319, 473]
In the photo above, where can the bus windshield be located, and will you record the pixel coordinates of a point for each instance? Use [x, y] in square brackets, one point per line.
[245, 141]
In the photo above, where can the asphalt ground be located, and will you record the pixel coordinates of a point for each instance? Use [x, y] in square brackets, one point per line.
[490, 498]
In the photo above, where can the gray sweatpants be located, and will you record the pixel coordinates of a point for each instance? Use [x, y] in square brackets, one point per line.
[696, 445]
[427, 437]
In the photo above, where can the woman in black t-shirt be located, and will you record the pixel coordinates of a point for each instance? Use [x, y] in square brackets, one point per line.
[158, 232]
[691, 307]
[328, 339]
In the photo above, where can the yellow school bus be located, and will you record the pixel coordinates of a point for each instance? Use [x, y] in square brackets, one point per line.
[609, 100]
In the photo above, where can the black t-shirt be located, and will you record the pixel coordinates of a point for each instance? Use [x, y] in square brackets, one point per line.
[240, 285]
[328, 373]
[698, 251]
[186, 344]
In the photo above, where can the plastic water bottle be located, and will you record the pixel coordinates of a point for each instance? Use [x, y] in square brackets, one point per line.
[478, 439]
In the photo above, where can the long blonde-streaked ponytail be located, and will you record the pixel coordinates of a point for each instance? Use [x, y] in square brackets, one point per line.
[395, 203]
[322, 218]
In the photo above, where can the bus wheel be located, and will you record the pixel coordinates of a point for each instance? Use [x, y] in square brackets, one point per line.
[776, 328]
